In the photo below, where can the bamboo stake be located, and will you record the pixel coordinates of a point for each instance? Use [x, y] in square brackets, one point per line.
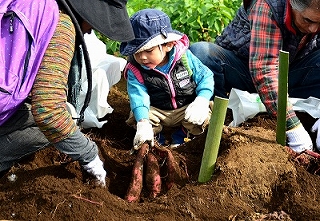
[282, 97]
[213, 139]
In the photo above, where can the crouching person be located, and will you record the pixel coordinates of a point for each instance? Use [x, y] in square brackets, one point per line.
[168, 86]
[43, 119]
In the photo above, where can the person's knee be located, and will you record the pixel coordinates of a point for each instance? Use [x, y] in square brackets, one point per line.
[200, 49]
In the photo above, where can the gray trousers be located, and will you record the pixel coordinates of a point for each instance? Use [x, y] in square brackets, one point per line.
[20, 136]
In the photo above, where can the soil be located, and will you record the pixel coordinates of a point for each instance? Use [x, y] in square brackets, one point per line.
[254, 179]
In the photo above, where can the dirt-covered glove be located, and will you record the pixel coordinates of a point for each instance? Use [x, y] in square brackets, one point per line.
[144, 134]
[197, 112]
[95, 168]
[316, 128]
[299, 139]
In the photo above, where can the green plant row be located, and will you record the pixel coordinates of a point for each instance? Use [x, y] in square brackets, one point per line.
[201, 20]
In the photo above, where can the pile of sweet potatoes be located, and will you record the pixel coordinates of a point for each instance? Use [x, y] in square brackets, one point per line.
[154, 166]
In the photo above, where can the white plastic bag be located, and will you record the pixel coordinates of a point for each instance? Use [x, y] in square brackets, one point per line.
[106, 71]
[245, 106]
[311, 105]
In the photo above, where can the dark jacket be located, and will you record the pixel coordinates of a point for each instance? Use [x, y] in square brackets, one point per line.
[236, 36]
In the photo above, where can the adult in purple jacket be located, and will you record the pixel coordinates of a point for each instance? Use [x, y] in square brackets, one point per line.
[44, 119]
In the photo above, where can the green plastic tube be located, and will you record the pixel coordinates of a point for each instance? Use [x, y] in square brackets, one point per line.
[282, 97]
[213, 139]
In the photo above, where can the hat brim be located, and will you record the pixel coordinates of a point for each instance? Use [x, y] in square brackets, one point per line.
[130, 48]
[108, 19]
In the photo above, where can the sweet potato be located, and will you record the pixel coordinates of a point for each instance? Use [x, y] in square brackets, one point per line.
[153, 179]
[136, 183]
[173, 169]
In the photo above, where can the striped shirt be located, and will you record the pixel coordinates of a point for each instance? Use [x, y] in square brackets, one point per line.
[265, 44]
[49, 93]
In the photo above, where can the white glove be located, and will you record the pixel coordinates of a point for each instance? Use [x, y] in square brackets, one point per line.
[95, 168]
[316, 128]
[197, 112]
[144, 133]
[299, 139]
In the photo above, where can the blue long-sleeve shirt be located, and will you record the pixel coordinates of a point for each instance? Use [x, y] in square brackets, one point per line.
[202, 76]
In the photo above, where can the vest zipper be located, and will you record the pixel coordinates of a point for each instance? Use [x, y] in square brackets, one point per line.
[11, 22]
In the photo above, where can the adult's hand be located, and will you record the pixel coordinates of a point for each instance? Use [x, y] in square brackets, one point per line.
[316, 128]
[95, 168]
[299, 139]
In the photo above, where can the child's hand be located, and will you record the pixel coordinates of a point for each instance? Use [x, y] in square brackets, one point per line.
[144, 134]
[197, 112]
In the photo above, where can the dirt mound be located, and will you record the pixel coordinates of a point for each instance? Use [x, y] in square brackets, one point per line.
[255, 179]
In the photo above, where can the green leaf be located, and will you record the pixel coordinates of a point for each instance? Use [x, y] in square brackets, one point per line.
[201, 20]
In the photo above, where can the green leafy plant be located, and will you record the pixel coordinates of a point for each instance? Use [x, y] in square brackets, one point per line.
[201, 20]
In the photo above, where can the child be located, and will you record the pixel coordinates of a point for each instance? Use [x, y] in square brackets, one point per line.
[168, 86]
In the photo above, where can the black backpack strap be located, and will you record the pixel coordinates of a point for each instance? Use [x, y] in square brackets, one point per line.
[86, 59]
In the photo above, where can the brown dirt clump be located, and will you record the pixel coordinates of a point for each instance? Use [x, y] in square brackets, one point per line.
[254, 179]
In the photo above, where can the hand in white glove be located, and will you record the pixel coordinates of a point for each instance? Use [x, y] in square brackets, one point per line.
[95, 168]
[316, 128]
[299, 139]
[198, 111]
[144, 133]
